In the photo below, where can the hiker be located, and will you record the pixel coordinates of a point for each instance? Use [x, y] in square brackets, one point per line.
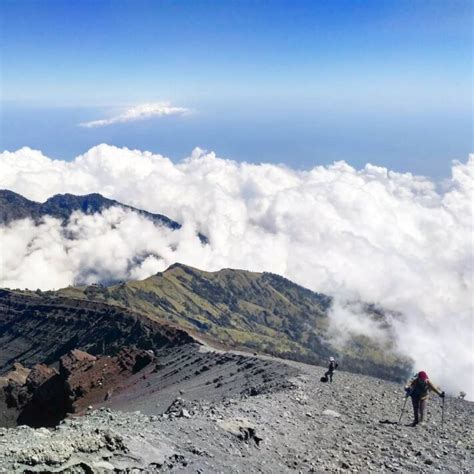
[418, 388]
[333, 365]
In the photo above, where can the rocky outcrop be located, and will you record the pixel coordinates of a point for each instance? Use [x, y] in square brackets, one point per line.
[92, 380]
[41, 401]
[18, 374]
[76, 361]
[46, 395]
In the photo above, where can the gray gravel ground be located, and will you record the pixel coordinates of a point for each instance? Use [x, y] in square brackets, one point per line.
[306, 426]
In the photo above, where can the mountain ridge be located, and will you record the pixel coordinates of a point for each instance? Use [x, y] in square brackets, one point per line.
[247, 310]
[14, 206]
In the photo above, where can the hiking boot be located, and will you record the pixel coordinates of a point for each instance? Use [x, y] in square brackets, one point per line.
[414, 423]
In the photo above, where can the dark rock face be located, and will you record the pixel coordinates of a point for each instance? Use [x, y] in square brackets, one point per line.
[41, 401]
[38, 329]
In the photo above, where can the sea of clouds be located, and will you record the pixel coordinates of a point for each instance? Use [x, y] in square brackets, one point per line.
[401, 241]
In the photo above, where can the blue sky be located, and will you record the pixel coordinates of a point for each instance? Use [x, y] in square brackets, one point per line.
[302, 83]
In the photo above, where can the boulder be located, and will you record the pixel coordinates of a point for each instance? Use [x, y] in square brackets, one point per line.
[74, 361]
[332, 413]
[18, 374]
[242, 429]
[39, 375]
[133, 360]
[41, 400]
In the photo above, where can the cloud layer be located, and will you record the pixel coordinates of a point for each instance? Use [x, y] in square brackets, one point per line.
[371, 234]
[117, 244]
[139, 112]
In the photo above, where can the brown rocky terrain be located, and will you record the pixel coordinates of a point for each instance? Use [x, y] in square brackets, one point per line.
[92, 380]
[43, 396]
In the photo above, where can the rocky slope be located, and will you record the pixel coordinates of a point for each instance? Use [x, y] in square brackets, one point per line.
[44, 395]
[39, 329]
[301, 425]
[46, 374]
[241, 309]
[44, 338]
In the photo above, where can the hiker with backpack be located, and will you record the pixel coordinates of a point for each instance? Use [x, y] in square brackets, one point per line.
[418, 389]
[333, 365]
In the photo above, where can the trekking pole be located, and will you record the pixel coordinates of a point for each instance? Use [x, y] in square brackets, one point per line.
[403, 409]
[442, 414]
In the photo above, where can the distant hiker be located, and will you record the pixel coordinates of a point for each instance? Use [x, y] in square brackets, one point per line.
[418, 388]
[333, 365]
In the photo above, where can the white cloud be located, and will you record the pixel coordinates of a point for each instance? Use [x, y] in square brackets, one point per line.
[89, 249]
[371, 234]
[139, 112]
[351, 318]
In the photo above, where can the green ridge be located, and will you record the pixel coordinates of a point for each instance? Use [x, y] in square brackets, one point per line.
[241, 309]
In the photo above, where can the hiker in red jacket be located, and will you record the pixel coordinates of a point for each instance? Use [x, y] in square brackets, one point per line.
[418, 389]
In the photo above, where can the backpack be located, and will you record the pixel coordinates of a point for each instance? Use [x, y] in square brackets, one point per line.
[420, 388]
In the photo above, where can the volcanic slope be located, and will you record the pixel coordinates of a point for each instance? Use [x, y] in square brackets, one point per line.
[45, 373]
[39, 329]
[305, 426]
[241, 309]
